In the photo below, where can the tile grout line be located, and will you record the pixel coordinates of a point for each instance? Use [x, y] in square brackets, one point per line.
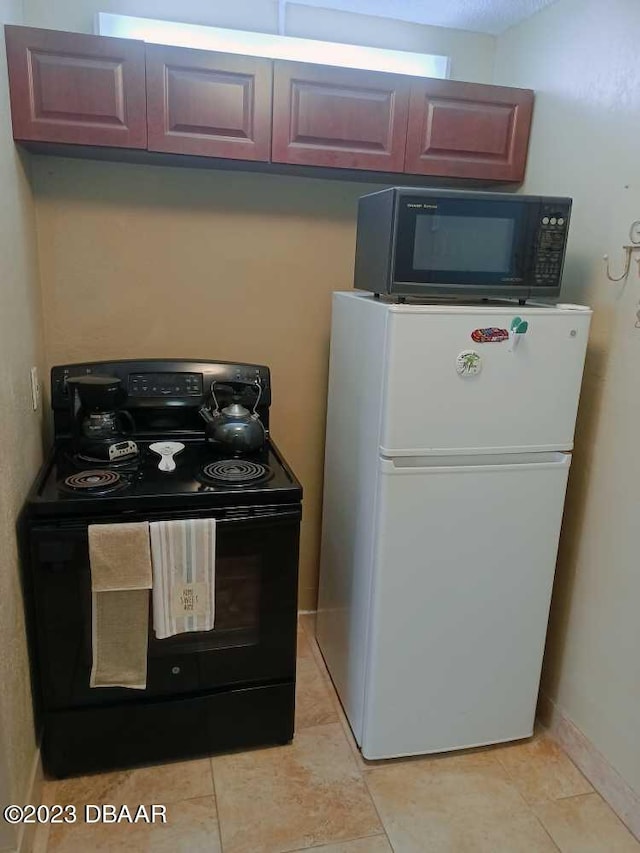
[513, 783]
[567, 797]
[48, 799]
[528, 805]
[332, 843]
[363, 776]
[327, 688]
[549, 799]
[320, 663]
[215, 799]
[587, 758]
[342, 716]
[545, 830]
[361, 772]
[375, 806]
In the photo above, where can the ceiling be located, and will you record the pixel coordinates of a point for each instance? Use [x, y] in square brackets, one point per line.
[481, 16]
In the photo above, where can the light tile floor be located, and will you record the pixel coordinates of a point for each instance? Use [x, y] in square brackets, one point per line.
[320, 793]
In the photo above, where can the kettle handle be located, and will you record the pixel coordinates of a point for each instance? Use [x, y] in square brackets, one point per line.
[216, 411]
[257, 385]
[258, 396]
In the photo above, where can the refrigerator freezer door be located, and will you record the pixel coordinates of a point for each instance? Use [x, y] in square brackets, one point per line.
[464, 565]
[445, 393]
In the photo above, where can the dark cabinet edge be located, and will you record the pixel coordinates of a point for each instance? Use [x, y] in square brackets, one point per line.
[189, 161]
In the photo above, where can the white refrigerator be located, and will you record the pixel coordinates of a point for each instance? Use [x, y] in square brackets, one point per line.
[446, 465]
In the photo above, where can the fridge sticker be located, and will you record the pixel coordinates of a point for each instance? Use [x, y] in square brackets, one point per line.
[489, 336]
[468, 363]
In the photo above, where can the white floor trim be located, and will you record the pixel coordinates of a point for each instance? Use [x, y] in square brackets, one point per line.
[604, 778]
[34, 796]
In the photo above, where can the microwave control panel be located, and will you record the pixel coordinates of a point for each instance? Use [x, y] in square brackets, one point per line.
[552, 237]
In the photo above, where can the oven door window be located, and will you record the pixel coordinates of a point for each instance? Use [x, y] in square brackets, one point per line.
[461, 242]
[253, 639]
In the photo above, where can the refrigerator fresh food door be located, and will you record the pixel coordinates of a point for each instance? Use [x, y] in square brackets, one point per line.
[446, 393]
[465, 553]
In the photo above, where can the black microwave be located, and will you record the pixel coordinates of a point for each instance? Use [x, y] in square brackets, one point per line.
[427, 242]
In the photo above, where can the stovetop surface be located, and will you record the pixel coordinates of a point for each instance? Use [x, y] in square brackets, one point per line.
[138, 484]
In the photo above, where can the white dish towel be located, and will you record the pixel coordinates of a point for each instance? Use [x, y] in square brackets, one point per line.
[183, 554]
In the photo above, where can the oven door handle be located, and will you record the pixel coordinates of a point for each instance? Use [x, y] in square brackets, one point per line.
[235, 517]
[260, 516]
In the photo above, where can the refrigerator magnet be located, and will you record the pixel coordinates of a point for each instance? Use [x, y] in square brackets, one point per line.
[468, 363]
[489, 336]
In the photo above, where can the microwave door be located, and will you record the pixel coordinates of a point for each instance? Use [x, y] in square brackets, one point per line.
[455, 245]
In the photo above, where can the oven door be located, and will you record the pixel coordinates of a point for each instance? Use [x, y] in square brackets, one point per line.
[463, 246]
[254, 638]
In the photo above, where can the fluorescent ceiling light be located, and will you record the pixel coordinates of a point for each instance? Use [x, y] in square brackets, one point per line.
[272, 46]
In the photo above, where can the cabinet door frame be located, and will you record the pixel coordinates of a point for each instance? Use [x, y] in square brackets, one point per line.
[286, 150]
[506, 165]
[257, 73]
[126, 127]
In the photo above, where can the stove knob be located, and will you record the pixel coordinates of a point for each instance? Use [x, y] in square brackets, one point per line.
[175, 670]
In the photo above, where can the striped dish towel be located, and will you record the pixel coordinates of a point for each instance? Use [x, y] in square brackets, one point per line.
[183, 554]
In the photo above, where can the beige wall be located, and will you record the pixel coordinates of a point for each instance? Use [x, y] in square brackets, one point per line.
[254, 257]
[581, 57]
[144, 261]
[20, 450]
[471, 53]
[7, 833]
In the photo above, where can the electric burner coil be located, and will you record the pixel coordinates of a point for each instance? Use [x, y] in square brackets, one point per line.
[235, 472]
[94, 482]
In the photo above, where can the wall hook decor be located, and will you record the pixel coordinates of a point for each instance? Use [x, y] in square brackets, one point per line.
[633, 245]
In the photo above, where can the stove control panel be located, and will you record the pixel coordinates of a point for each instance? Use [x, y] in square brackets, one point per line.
[165, 385]
[164, 396]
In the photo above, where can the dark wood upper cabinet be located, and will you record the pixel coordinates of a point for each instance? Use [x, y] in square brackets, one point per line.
[340, 117]
[81, 89]
[95, 91]
[468, 130]
[209, 104]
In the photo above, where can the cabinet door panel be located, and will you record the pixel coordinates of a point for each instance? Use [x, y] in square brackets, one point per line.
[339, 117]
[69, 87]
[209, 104]
[468, 130]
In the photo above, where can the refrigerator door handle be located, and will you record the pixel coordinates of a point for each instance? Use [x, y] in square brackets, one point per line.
[407, 465]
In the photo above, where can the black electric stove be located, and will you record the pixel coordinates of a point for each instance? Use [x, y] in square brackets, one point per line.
[228, 688]
[72, 485]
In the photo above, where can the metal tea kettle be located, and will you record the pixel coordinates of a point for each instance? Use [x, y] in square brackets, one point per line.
[234, 428]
